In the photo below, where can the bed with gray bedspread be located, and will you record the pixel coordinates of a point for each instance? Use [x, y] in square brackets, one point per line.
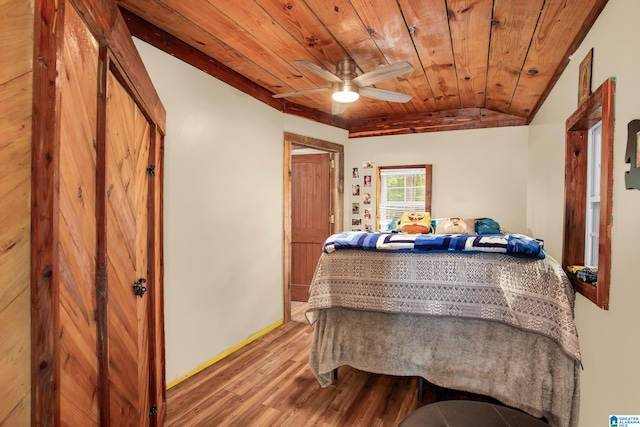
[485, 323]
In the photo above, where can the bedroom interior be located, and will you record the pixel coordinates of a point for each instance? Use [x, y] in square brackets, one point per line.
[225, 146]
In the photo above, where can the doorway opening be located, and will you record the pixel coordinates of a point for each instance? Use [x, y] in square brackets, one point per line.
[302, 144]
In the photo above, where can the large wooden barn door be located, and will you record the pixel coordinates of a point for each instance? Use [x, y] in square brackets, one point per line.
[310, 212]
[97, 338]
[128, 144]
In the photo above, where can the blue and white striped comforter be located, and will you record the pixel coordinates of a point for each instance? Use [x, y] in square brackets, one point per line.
[510, 244]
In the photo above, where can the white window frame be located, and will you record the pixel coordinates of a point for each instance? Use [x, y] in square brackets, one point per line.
[592, 231]
[398, 208]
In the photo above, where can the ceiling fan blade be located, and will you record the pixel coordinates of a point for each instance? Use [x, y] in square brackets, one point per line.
[319, 71]
[383, 73]
[384, 95]
[302, 92]
[338, 107]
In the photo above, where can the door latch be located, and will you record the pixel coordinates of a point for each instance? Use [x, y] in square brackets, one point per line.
[153, 411]
[138, 289]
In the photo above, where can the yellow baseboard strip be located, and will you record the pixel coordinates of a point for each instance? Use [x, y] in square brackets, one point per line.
[224, 354]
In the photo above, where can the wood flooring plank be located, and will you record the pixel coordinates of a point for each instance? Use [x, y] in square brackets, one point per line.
[199, 415]
[345, 397]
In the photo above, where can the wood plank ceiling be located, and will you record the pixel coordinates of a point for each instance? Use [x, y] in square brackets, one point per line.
[477, 63]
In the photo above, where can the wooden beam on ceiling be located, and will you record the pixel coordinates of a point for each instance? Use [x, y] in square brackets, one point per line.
[461, 119]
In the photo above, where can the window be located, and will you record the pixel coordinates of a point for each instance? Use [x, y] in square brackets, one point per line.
[588, 191]
[400, 189]
[592, 231]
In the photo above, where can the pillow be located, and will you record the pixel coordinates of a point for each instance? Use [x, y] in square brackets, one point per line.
[415, 223]
[394, 225]
[456, 226]
[487, 226]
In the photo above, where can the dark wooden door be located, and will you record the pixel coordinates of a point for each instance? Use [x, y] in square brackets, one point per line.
[310, 212]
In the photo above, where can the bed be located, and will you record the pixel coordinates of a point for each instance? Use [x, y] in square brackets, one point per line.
[485, 314]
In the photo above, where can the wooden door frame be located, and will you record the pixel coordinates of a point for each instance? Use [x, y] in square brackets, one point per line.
[336, 199]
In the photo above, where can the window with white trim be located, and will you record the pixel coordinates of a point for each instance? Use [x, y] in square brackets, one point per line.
[402, 189]
[594, 151]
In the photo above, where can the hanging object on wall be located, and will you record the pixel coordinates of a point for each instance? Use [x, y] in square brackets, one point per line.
[632, 156]
[584, 78]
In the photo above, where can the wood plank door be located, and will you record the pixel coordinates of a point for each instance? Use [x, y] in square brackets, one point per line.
[310, 212]
[127, 147]
[77, 225]
[96, 222]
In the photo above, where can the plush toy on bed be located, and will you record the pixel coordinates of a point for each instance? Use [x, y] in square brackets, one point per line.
[456, 226]
[416, 223]
[394, 224]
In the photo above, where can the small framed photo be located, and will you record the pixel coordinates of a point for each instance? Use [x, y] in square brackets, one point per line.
[584, 83]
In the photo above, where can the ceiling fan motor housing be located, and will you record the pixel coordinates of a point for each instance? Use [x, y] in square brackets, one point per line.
[347, 91]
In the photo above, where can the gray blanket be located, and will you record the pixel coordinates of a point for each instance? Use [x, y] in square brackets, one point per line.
[522, 369]
[530, 294]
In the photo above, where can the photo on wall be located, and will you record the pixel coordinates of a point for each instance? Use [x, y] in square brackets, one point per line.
[364, 180]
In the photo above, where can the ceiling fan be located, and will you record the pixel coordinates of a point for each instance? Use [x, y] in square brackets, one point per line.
[347, 86]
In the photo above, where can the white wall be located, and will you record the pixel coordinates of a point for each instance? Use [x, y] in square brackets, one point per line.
[610, 340]
[222, 283]
[476, 173]
[223, 223]
[306, 127]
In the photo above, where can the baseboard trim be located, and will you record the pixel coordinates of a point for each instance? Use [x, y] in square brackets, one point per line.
[226, 353]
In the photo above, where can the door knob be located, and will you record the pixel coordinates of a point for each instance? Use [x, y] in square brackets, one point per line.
[138, 289]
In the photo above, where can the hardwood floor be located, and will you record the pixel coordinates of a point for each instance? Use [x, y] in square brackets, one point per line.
[268, 383]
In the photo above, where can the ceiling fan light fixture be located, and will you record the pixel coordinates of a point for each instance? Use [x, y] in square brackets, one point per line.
[345, 92]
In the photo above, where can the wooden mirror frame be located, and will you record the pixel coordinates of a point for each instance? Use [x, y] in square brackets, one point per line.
[598, 106]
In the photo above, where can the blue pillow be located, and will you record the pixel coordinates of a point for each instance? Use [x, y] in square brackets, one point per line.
[487, 226]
